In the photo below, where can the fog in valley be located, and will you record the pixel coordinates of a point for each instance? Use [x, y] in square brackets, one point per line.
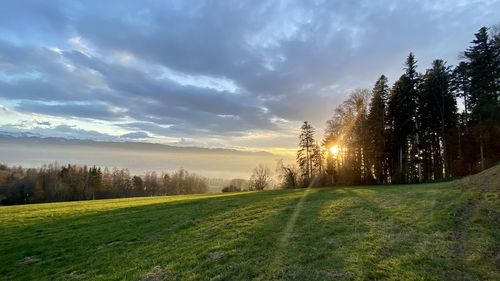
[138, 157]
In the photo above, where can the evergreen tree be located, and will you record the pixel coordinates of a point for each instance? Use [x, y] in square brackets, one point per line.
[460, 85]
[483, 64]
[304, 154]
[437, 115]
[317, 159]
[376, 129]
[403, 118]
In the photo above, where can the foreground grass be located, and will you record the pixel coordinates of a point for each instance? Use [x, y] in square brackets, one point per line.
[408, 232]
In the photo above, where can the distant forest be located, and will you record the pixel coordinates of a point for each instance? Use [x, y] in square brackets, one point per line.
[55, 183]
[410, 132]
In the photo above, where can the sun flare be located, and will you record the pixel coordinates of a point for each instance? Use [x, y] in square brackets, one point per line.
[334, 149]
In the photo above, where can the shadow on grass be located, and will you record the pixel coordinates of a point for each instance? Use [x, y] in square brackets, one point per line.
[124, 243]
[374, 234]
[337, 233]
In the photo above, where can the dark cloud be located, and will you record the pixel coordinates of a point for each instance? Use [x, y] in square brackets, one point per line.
[85, 110]
[43, 123]
[165, 67]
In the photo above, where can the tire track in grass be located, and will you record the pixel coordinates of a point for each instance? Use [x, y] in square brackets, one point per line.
[290, 225]
[275, 268]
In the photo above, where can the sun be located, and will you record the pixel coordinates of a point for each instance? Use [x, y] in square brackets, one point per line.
[334, 149]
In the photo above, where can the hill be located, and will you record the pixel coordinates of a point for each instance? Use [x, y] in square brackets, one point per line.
[406, 232]
[28, 138]
[34, 151]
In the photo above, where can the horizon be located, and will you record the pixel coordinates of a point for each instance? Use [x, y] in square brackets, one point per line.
[137, 157]
[69, 71]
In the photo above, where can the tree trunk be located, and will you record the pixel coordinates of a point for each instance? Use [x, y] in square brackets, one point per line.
[401, 160]
[482, 152]
[481, 143]
[419, 164]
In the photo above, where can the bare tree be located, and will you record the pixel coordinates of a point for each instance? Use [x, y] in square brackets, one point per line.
[261, 178]
[289, 175]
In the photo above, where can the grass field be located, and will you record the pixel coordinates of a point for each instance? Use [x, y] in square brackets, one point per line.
[409, 232]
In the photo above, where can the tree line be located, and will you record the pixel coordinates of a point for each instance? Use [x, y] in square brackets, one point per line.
[260, 179]
[410, 131]
[55, 183]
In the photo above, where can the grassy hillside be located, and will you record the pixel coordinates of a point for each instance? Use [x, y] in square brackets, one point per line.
[409, 232]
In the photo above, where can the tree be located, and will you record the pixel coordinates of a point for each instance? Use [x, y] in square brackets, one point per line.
[304, 159]
[347, 131]
[53, 183]
[330, 165]
[402, 113]
[137, 185]
[460, 85]
[332, 138]
[183, 182]
[151, 183]
[165, 183]
[289, 175]
[261, 178]
[95, 180]
[317, 160]
[437, 115]
[236, 185]
[483, 62]
[376, 123]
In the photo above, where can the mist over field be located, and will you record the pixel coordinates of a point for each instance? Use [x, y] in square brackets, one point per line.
[137, 157]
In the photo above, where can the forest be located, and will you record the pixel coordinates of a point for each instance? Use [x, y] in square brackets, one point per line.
[409, 132]
[412, 131]
[56, 183]
[59, 183]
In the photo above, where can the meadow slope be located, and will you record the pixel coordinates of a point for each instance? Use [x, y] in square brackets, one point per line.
[406, 232]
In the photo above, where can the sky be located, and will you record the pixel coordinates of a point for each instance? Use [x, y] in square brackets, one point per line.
[230, 74]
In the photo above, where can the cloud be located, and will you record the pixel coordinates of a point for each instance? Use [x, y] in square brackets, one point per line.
[43, 123]
[217, 71]
[135, 135]
[74, 132]
[93, 110]
[45, 129]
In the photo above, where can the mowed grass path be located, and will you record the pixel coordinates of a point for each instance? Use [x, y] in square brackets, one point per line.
[408, 232]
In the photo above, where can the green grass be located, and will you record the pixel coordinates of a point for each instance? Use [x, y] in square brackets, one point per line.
[408, 232]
